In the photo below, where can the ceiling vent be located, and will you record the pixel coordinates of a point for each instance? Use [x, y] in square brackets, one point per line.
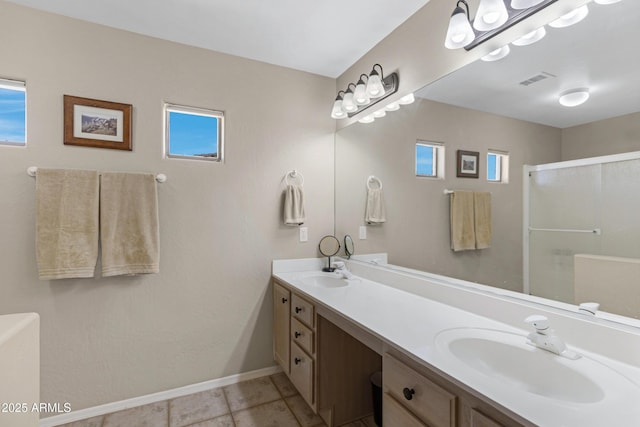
[538, 77]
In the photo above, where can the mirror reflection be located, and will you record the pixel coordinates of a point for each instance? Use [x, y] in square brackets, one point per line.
[508, 112]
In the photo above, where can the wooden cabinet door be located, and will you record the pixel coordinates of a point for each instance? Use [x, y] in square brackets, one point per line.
[302, 369]
[394, 414]
[281, 325]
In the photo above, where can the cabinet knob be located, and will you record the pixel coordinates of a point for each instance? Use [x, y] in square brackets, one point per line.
[298, 309]
[284, 300]
[408, 393]
[297, 360]
[297, 334]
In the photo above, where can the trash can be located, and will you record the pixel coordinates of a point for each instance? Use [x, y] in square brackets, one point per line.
[376, 392]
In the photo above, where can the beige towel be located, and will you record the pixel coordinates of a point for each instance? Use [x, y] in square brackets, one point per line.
[482, 215]
[294, 205]
[463, 234]
[66, 223]
[374, 212]
[129, 232]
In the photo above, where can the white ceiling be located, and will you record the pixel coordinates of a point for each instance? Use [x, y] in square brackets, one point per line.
[600, 53]
[323, 37]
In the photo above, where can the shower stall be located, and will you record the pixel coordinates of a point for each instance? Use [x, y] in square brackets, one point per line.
[587, 206]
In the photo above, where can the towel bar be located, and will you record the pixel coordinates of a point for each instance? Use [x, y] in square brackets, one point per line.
[31, 171]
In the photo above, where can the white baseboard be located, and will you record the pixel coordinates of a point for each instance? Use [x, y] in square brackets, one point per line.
[155, 397]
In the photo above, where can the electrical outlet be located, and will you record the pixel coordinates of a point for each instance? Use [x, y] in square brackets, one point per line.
[363, 232]
[304, 234]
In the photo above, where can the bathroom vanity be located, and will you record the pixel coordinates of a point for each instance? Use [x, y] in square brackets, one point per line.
[450, 356]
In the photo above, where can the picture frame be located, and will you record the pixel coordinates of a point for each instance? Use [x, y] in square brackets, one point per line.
[468, 164]
[95, 123]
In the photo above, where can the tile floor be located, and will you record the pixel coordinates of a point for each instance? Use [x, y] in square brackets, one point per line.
[269, 401]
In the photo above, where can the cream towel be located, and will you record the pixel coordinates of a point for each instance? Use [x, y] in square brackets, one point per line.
[129, 224]
[66, 223]
[482, 215]
[374, 212]
[294, 205]
[463, 234]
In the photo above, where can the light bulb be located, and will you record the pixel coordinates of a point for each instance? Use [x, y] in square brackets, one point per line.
[574, 97]
[379, 113]
[530, 38]
[497, 54]
[606, 1]
[491, 14]
[524, 4]
[375, 88]
[337, 112]
[367, 119]
[394, 106]
[407, 99]
[348, 103]
[360, 95]
[459, 33]
[571, 18]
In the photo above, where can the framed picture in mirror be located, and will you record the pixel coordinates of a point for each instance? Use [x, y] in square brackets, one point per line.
[467, 164]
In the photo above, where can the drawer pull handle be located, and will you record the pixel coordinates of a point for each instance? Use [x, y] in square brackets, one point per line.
[284, 300]
[408, 393]
[297, 334]
[297, 360]
[298, 310]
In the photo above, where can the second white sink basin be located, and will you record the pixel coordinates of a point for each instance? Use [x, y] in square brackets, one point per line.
[505, 358]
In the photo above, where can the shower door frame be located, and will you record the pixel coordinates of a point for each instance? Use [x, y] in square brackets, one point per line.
[526, 192]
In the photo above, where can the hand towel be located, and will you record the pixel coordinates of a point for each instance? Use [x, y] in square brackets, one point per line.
[129, 232]
[482, 218]
[66, 223]
[463, 234]
[294, 205]
[374, 212]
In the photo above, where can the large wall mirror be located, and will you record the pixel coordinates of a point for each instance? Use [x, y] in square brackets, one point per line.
[507, 107]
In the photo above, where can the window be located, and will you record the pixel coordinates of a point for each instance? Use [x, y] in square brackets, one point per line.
[429, 159]
[193, 133]
[13, 113]
[497, 166]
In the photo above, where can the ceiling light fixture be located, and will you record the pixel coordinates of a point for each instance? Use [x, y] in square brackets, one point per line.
[574, 97]
[492, 18]
[571, 18]
[363, 94]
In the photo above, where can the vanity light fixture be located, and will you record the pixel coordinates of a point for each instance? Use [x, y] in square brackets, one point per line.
[574, 97]
[571, 18]
[497, 54]
[363, 94]
[492, 18]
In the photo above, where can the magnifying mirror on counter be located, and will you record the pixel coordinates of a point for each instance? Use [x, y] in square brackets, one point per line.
[348, 246]
[329, 246]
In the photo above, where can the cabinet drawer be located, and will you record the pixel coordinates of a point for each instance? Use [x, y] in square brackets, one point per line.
[302, 336]
[394, 414]
[302, 310]
[302, 373]
[430, 402]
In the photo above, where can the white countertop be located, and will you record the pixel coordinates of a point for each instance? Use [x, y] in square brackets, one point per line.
[411, 323]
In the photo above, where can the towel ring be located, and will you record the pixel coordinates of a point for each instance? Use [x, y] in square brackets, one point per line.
[294, 174]
[373, 178]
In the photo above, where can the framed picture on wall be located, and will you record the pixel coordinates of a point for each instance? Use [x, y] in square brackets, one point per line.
[467, 165]
[95, 123]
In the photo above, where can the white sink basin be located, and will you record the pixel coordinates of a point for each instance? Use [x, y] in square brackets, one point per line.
[506, 359]
[324, 280]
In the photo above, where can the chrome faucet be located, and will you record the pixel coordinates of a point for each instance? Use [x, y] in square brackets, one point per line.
[545, 338]
[341, 268]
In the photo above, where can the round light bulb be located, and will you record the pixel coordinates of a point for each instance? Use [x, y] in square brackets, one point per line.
[531, 38]
[574, 97]
[407, 99]
[394, 106]
[497, 54]
[571, 18]
[379, 113]
[606, 1]
[367, 119]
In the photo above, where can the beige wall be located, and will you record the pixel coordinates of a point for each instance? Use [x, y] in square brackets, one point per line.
[604, 137]
[207, 314]
[416, 233]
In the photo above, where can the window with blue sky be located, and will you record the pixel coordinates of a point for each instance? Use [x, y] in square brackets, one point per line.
[429, 159]
[497, 166]
[13, 112]
[193, 133]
